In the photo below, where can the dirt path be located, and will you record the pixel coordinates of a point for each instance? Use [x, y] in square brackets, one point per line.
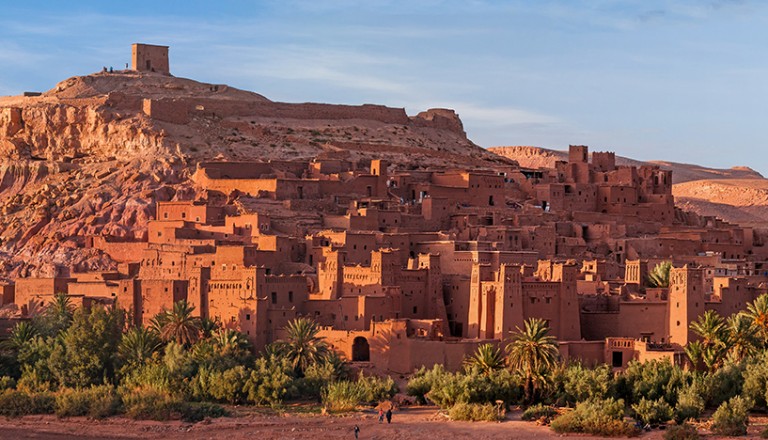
[422, 423]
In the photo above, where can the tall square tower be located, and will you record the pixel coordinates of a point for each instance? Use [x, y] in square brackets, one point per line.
[150, 58]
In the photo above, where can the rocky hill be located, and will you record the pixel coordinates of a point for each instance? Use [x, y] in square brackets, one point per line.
[93, 155]
[738, 195]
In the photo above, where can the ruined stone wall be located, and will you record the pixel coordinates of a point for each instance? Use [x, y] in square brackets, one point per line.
[180, 110]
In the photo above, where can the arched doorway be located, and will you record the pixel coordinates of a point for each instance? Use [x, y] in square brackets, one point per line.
[361, 352]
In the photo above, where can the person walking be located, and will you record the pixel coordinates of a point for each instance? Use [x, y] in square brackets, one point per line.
[381, 415]
[357, 430]
[389, 415]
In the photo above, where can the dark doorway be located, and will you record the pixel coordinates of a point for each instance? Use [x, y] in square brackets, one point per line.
[149, 65]
[490, 200]
[617, 359]
[300, 190]
[361, 352]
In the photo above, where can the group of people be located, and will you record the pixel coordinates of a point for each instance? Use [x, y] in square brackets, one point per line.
[382, 415]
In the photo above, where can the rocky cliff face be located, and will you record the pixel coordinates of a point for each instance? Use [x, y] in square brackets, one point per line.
[93, 155]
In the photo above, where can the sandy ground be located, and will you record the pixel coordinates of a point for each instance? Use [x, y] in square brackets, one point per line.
[422, 423]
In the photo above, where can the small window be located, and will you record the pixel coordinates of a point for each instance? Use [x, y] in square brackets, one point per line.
[415, 310]
[274, 297]
[290, 296]
[247, 316]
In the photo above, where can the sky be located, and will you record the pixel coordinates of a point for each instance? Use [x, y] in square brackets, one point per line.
[683, 81]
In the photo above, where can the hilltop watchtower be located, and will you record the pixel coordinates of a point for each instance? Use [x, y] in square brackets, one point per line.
[150, 58]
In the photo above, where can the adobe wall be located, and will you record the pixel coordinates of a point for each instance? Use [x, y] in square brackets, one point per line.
[589, 353]
[103, 289]
[41, 290]
[391, 350]
[181, 110]
[633, 320]
[167, 110]
[157, 295]
[121, 252]
[7, 294]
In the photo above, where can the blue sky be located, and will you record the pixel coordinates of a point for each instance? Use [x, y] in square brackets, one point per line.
[670, 80]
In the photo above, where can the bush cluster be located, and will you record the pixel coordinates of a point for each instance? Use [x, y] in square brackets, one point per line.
[539, 411]
[96, 402]
[682, 432]
[597, 417]
[15, 403]
[475, 412]
[732, 417]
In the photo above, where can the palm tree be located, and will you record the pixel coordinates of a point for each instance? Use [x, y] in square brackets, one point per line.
[57, 315]
[22, 333]
[711, 328]
[209, 326]
[138, 345]
[713, 346]
[303, 347]
[742, 336]
[487, 358]
[695, 352]
[533, 352]
[228, 341]
[178, 324]
[757, 311]
[659, 275]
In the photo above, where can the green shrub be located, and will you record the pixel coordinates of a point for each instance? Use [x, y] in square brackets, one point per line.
[197, 411]
[651, 380]
[342, 396]
[15, 403]
[148, 403]
[580, 383]
[270, 381]
[97, 402]
[723, 384]
[475, 412]
[473, 386]
[7, 383]
[229, 386]
[653, 411]
[755, 379]
[598, 417]
[376, 389]
[690, 404]
[423, 380]
[538, 411]
[682, 432]
[316, 377]
[732, 417]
